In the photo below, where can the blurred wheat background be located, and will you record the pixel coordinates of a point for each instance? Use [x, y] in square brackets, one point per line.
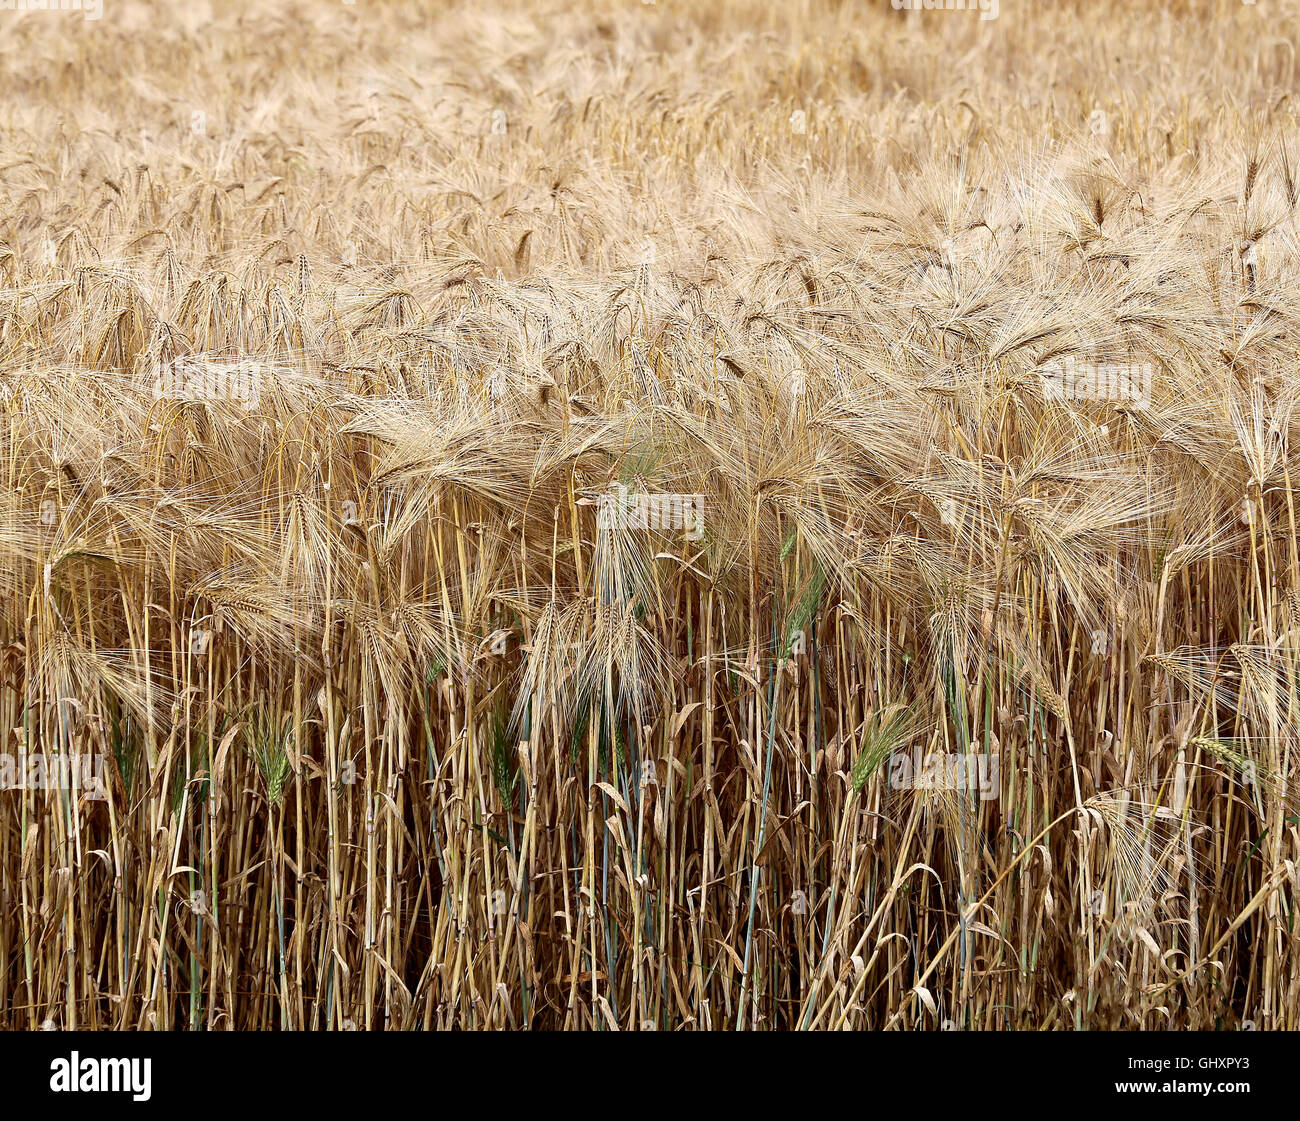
[398, 731]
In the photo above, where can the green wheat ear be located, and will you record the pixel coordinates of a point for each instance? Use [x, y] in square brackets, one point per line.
[804, 609]
[436, 670]
[504, 763]
[788, 544]
[269, 748]
[579, 733]
[888, 729]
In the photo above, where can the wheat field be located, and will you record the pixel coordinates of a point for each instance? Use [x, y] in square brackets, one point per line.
[649, 516]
